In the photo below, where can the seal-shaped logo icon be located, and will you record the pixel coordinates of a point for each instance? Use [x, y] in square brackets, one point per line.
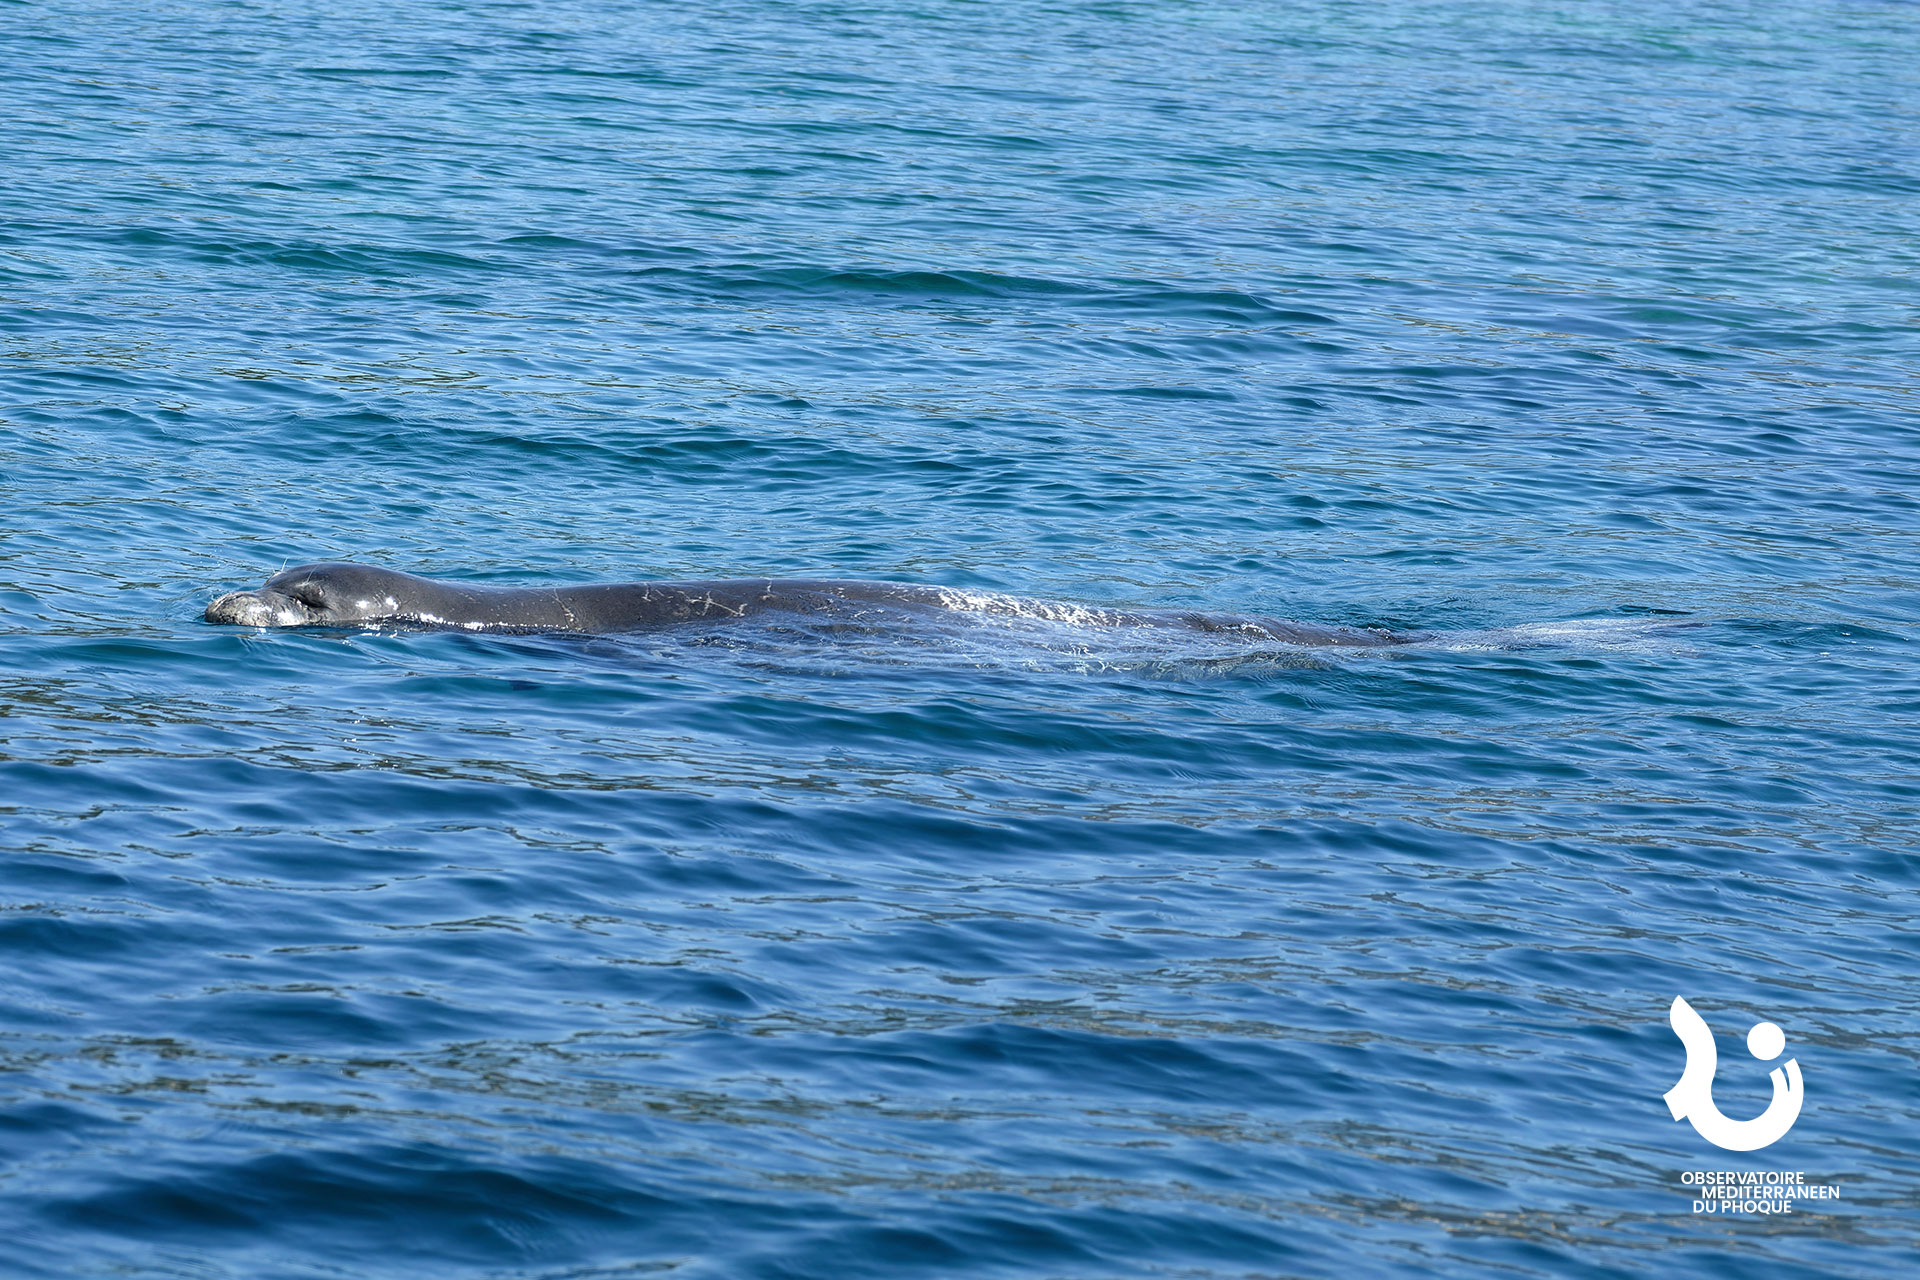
[1692, 1098]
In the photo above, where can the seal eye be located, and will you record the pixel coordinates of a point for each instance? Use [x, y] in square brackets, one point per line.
[309, 594]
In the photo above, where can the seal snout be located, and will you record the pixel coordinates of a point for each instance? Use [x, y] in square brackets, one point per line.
[256, 609]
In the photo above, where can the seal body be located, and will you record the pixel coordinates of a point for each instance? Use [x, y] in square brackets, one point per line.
[351, 595]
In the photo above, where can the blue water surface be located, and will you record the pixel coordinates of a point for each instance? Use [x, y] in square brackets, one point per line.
[1582, 334]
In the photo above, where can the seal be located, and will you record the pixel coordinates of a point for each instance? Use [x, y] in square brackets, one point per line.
[358, 595]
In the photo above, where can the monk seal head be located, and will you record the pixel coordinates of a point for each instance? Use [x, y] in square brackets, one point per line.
[320, 595]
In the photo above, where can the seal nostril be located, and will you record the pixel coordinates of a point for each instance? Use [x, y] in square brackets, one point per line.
[248, 609]
[233, 608]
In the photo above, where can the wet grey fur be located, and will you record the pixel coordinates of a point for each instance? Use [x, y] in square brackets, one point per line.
[347, 595]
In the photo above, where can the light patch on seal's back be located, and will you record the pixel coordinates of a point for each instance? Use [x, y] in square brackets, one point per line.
[961, 601]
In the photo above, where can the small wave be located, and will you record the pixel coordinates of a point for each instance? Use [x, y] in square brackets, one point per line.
[1209, 304]
[1217, 305]
[721, 280]
[306, 256]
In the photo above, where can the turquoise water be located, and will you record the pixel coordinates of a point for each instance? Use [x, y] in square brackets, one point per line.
[1580, 334]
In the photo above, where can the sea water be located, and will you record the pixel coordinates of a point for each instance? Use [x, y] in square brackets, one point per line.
[1580, 336]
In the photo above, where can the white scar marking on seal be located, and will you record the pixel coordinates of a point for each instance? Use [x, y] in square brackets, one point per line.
[712, 605]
